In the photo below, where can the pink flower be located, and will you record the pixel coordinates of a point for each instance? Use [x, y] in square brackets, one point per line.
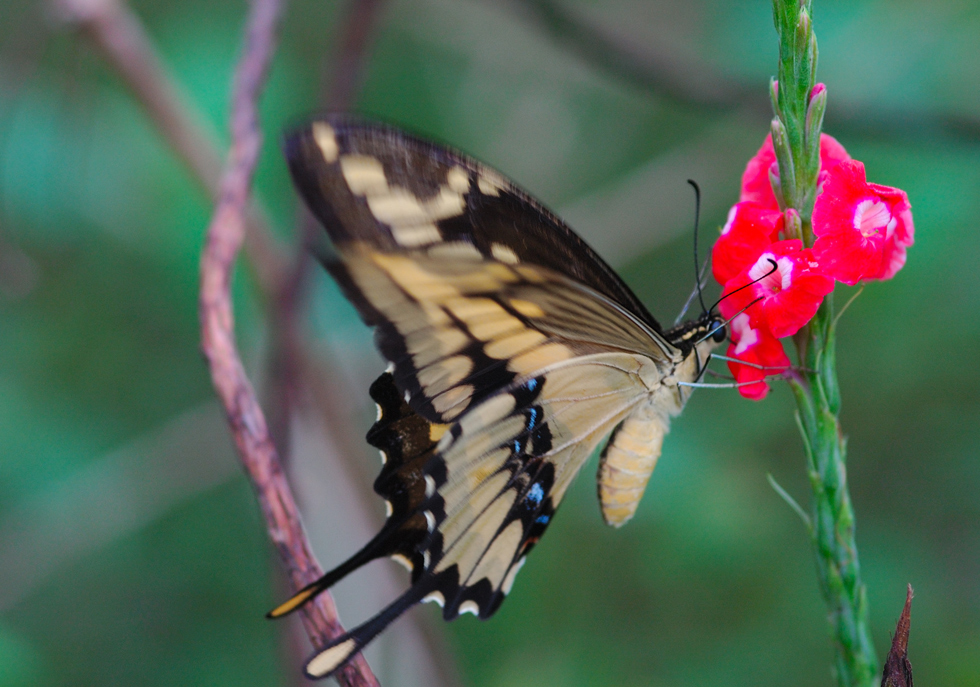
[750, 229]
[761, 350]
[756, 186]
[863, 229]
[788, 295]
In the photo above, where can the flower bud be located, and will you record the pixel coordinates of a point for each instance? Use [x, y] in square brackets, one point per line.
[814, 120]
[784, 156]
[774, 96]
[804, 28]
[812, 56]
[792, 224]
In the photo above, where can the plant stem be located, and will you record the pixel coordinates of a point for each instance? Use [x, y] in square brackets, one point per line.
[832, 516]
[796, 134]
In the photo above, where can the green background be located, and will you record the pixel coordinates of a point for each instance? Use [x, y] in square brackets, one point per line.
[131, 548]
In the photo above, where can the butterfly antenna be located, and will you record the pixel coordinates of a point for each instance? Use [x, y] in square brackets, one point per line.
[697, 217]
[745, 286]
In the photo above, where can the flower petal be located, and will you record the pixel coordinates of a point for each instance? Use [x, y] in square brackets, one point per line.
[747, 233]
[763, 353]
[779, 300]
[862, 229]
[756, 187]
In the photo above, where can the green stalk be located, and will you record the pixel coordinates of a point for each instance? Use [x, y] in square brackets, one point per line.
[796, 139]
[832, 516]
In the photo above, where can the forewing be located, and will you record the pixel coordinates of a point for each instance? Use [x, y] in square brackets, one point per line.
[376, 185]
[469, 282]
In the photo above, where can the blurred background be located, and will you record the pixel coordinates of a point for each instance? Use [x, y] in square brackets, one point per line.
[131, 547]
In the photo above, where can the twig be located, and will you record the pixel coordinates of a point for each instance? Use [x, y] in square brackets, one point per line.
[285, 354]
[295, 375]
[119, 35]
[655, 71]
[348, 65]
[341, 83]
[224, 239]
[700, 86]
[796, 138]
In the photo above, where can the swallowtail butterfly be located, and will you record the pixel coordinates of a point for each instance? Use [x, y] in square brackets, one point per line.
[514, 350]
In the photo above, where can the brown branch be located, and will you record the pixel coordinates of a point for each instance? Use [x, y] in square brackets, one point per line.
[296, 376]
[224, 239]
[699, 85]
[648, 66]
[115, 30]
[348, 64]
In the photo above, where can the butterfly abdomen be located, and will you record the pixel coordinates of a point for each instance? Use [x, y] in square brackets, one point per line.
[628, 462]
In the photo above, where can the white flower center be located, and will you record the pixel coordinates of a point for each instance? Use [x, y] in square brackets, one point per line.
[780, 279]
[747, 337]
[871, 216]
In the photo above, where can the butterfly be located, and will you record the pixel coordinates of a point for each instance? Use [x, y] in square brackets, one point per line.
[514, 351]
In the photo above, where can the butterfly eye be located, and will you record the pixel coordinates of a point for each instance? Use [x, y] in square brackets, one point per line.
[720, 330]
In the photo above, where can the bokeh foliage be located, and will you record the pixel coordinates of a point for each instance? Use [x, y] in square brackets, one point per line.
[100, 233]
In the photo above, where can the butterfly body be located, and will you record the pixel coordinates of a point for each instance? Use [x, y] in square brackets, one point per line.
[514, 351]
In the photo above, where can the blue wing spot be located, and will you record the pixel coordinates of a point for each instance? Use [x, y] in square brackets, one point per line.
[535, 493]
[532, 417]
[542, 519]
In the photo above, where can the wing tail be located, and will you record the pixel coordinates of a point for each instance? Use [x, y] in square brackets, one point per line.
[405, 438]
[378, 547]
[333, 656]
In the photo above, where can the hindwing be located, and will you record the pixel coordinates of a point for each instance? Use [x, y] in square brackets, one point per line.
[465, 522]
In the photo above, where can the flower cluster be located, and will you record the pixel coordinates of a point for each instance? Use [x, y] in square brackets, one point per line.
[861, 231]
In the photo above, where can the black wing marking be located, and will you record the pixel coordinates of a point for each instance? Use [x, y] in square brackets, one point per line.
[407, 443]
[377, 185]
[493, 483]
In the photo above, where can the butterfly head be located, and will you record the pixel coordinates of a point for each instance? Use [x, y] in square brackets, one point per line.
[707, 331]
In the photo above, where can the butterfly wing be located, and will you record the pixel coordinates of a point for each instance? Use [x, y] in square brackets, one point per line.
[515, 351]
[492, 484]
[373, 184]
[459, 271]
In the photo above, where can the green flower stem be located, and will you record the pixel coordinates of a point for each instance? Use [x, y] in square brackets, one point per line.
[832, 516]
[796, 140]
